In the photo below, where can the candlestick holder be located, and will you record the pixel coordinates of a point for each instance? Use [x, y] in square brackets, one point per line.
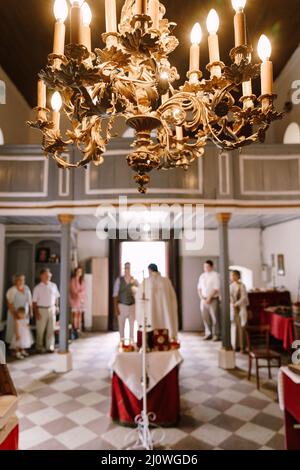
[213, 65]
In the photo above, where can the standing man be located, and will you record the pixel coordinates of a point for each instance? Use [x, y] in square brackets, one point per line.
[124, 301]
[238, 311]
[45, 301]
[209, 292]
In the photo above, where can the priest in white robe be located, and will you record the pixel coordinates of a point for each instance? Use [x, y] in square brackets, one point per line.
[160, 305]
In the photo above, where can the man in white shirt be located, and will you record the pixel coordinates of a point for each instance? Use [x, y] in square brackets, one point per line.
[209, 289]
[45, 300]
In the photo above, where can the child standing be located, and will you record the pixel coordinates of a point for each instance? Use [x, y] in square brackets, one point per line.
[22, 338]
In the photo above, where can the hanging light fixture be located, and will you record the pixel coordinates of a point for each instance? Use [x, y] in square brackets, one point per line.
[132, 77]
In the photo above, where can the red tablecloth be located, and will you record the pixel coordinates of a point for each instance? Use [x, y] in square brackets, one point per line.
[282, 328]
[12, 440]
[292, 413]
[163, 400]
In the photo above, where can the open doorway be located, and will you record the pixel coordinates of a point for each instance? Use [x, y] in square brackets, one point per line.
[164, 253]
[141, 254]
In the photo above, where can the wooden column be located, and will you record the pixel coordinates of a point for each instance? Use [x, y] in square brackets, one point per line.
[65, 272]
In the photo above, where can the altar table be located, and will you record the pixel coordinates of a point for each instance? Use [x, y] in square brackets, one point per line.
[289, 400]
[163, 396]
[9, 429]
[281, 327]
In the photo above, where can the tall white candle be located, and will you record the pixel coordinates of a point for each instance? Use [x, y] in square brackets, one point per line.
[56, 103]
[213, 42]
[60, 12]
[153, 12]
[179, 133]
[76, 21]
[240, 31]
[141, 7]
[111, 16]
[196, 36]
[264, 52]
[85, 31]
[42, 94]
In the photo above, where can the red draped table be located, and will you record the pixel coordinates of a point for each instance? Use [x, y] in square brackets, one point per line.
[11, 441]
[289, 400]
[9, 434]
[281, 327]
[163, 398]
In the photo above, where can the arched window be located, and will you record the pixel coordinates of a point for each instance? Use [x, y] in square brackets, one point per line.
[1, 137]
[246, 275]
[292, 134]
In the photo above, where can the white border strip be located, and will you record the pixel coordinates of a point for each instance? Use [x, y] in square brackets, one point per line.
[64, 177]
[224, 156]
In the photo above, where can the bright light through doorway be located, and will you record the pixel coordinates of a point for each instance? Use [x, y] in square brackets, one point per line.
[141, 254]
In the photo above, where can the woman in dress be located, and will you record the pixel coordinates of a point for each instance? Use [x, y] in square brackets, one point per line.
[77, 298]
[17, 296]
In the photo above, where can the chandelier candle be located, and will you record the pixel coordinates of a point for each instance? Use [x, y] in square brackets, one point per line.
[179, 133]
[212, 24]
[111, 16]
[85, 30]
[141, 7]
[153, 11]
[196, 36]
[264, 52]
[76, 21]
[41, 94]
[247, 92]
[60, 13]
[240, 33]
[56, 104]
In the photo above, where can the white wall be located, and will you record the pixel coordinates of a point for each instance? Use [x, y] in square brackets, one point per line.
[283, 88]
[89, 246]
[14, 114]
[244, 249]
[2, 253]
[285, 239]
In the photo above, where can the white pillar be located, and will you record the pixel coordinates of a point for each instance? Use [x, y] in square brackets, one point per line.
[2, 267]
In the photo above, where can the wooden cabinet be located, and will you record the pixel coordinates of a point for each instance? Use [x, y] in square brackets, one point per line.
[258, 301]
[29, 256]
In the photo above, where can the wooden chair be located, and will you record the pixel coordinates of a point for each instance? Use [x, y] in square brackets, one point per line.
[258, 342]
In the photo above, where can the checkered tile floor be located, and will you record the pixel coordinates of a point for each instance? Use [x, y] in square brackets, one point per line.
[220, 410]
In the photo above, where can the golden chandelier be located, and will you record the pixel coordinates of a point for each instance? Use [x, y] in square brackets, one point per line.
[133, 78]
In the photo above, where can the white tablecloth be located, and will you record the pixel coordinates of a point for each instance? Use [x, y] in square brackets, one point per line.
[8, 407]
[294, 377]
[128, 367]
